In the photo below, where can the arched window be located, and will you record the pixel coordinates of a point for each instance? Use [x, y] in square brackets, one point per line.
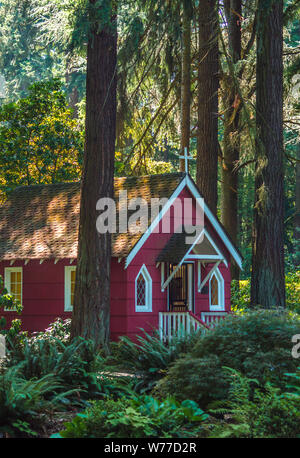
[143, 291]
[216, 291]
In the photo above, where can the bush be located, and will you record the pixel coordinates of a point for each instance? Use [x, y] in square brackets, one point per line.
[258, 344]
[240, 293]
[202, 380]
[58, 330]
[22, 400]
[254, 413]
[140, 416]
[293, 291]
[74, 364]
[149, 357]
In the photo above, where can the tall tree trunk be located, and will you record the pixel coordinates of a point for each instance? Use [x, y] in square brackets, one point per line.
[267, 283]
[185, 80]
[91, 315]
[208, 83]
[231, 142]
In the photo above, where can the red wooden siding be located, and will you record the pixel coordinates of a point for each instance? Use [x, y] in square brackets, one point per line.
[43, 286]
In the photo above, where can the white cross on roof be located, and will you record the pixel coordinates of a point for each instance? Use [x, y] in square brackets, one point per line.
[186, 159]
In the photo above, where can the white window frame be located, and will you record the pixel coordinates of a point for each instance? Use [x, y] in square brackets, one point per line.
[148, 290]
[68, 307]
[221, 292]
[7, 280]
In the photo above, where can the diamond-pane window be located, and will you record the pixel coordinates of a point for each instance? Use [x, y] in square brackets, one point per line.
[143, 291]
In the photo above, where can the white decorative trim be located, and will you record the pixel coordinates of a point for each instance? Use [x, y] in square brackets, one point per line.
[215, 224]
[148, 290]
[216, 248]
[68, 307]
[7, 280]
[186, 182]
[154, 223]
[199, 276]
[182, 260]
[162, 275]
[221, 292]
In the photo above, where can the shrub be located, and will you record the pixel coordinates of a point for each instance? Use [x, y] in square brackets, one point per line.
[240, 293]
[200, 379]
[256, 414]
[258, 344]
[293, 291]
[141, 416]
[58, 330]
[149, 357]
[74, 364]
[22, 400]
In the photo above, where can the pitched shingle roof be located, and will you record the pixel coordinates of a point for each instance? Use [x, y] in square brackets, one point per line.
[41, 221]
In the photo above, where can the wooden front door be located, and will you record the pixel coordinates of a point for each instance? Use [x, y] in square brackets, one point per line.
[181, 288]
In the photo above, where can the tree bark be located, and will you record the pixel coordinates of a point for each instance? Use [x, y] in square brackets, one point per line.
[91, 314]
[207, 95]
[267, 282]
[185, 80]
[231, 142]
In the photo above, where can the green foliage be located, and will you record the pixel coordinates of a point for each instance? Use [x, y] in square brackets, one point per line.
[7, 300]
[24, 57]
[74, 364]
[293, 384]
[58, 330]
[258, 344]
[140, 416]
[40, 142]
[149, 357]
[240, 293]
[200, 379]
[21, 400]
[256, 414]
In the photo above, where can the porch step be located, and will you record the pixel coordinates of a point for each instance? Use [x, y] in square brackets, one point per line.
[179, 324]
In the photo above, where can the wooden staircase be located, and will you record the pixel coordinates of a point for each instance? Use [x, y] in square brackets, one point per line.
[179, 324]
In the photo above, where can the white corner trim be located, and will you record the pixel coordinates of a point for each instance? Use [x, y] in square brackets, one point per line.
[68, 307]
[221, 292]
[148, 290]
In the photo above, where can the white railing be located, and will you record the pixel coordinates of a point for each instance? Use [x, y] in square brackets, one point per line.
[178, 324]
[210, 318]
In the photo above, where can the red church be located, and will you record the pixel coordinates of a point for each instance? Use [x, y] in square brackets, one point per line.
[158, 280]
